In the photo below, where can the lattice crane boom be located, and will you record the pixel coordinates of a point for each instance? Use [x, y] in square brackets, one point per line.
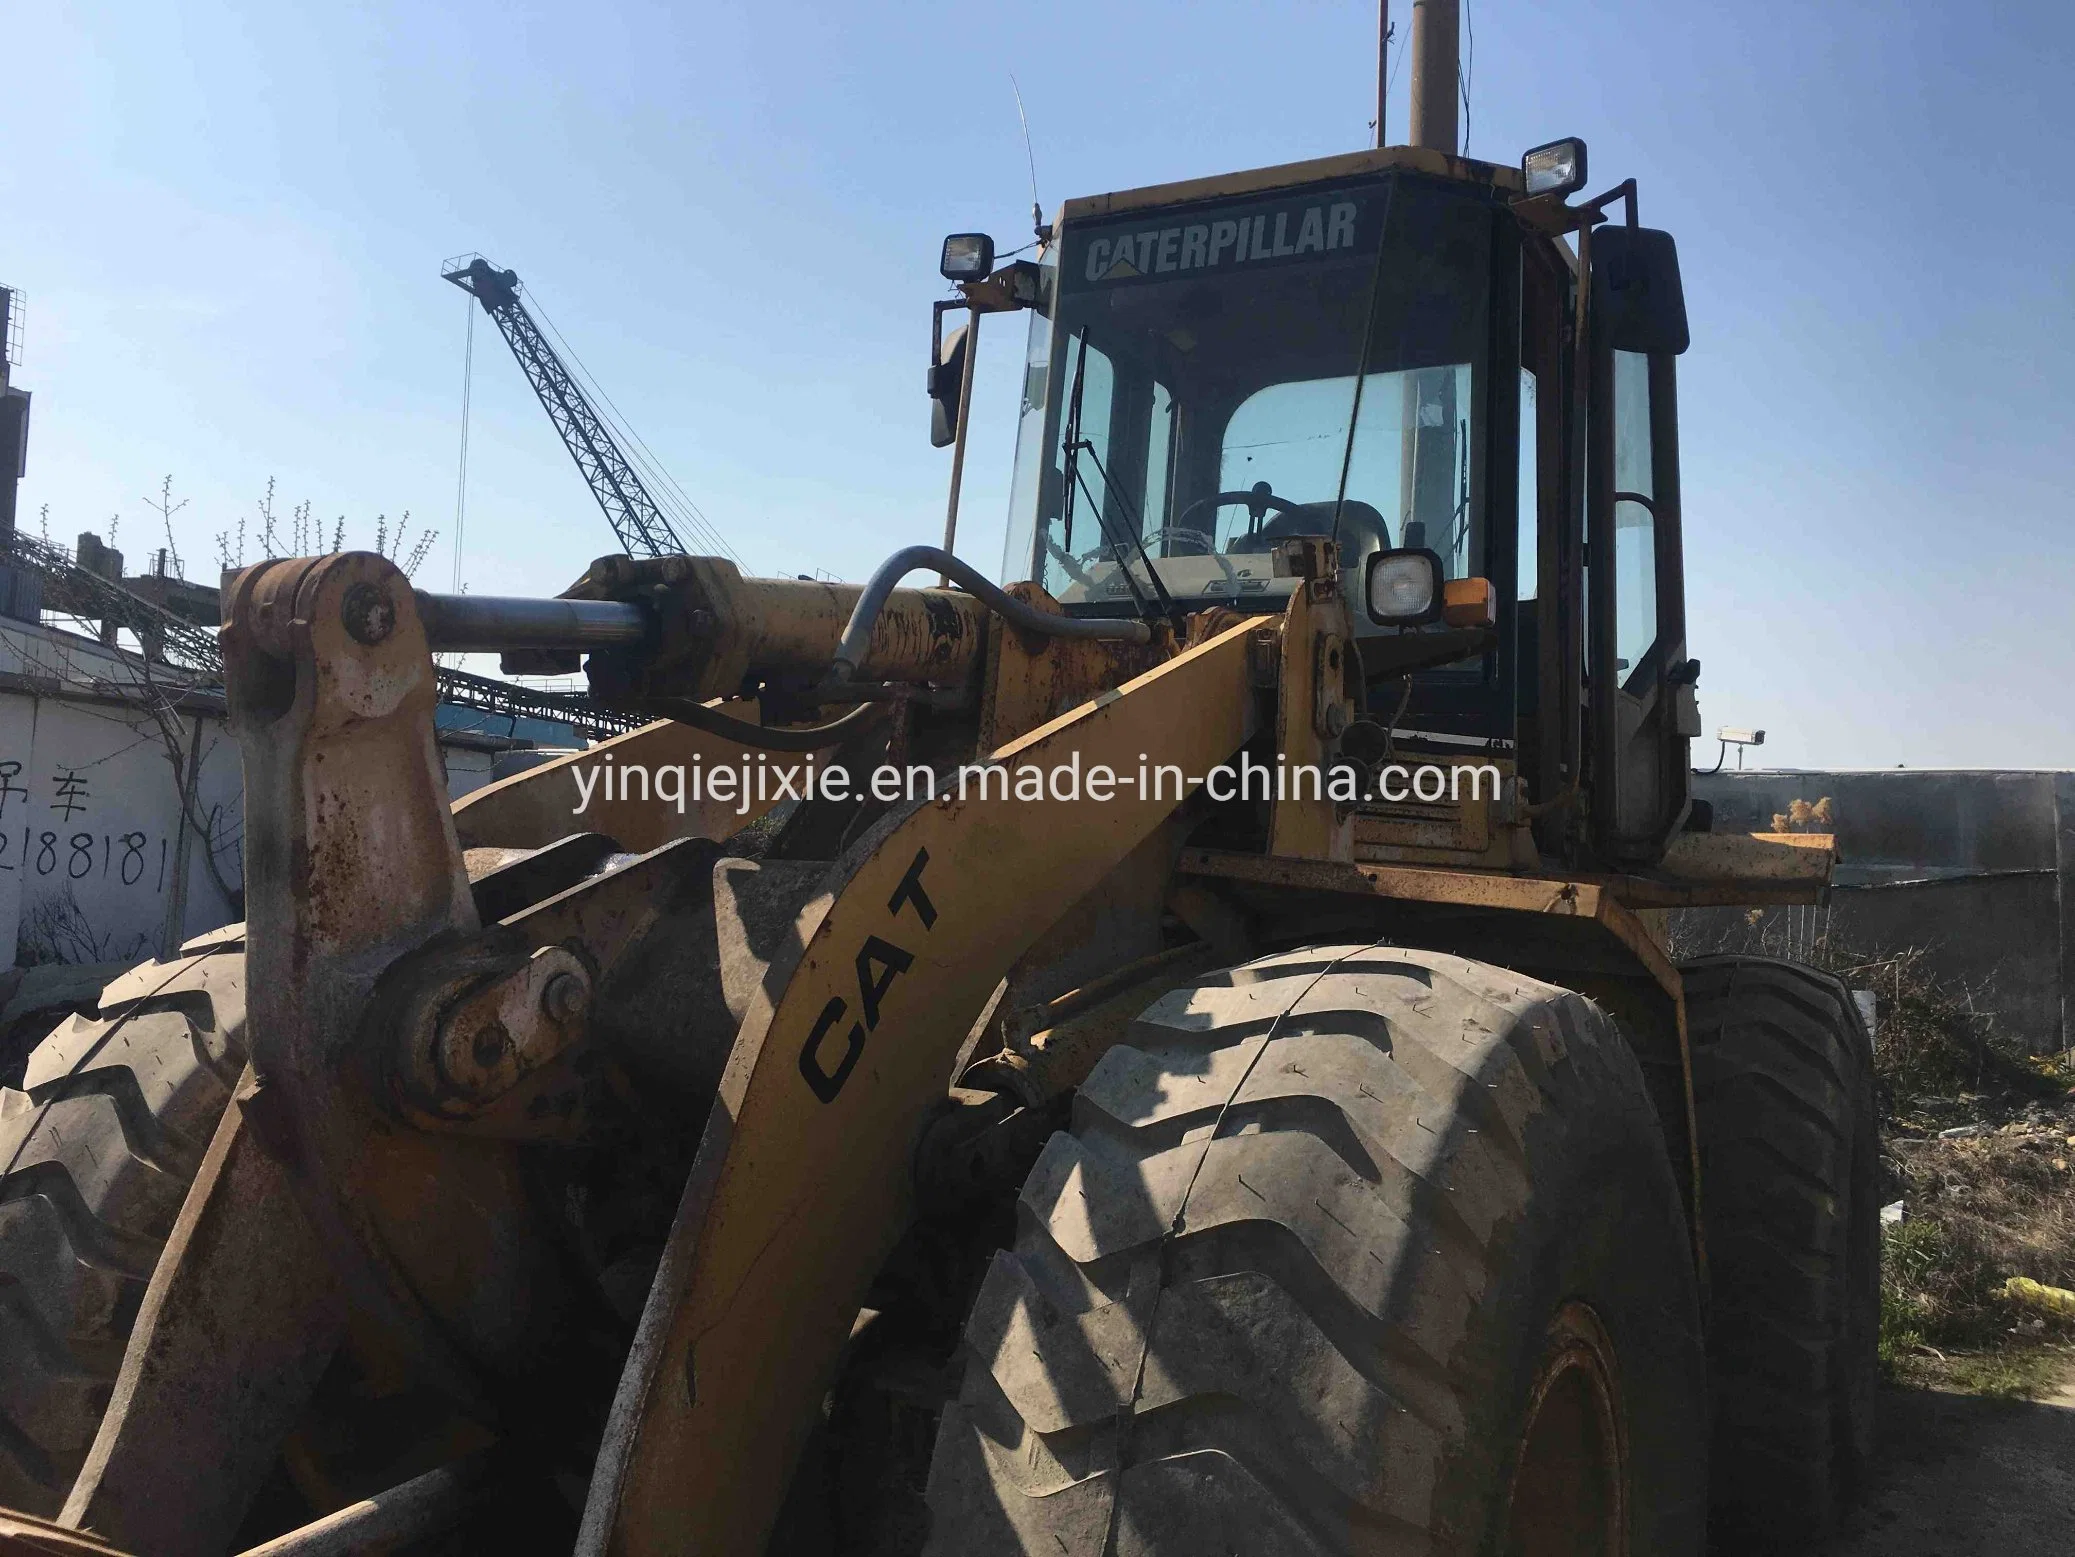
[644, 530]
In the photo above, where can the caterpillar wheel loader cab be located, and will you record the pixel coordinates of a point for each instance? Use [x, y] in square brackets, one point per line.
[1389, 350]
[1175, 1055]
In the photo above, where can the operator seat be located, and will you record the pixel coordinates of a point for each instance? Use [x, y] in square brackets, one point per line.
[1362, 530]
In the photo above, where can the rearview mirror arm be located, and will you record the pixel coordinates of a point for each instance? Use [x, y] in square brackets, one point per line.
[963, 419]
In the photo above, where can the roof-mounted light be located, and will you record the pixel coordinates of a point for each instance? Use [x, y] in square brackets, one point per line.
[1555, 169]
[968, 256]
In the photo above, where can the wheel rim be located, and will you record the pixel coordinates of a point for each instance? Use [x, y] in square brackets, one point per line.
[1569, 1492]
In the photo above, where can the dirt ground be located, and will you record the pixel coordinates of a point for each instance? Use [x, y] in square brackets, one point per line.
[1963, 1476]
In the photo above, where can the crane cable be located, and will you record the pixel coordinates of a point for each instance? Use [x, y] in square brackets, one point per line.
[671, 498]
[673, 501]
[468, 368]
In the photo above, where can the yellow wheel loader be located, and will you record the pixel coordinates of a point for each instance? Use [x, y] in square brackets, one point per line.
[1177, 1055]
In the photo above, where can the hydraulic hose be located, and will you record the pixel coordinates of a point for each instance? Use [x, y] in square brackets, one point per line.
[857, 634]
[743, 733]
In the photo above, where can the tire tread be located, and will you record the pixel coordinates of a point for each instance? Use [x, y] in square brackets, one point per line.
[97, 1150]
[1224, 1292]
[1782, 1093]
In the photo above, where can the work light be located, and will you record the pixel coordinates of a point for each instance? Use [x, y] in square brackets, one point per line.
[1555, 169]
[968, 256]
[1404, 587]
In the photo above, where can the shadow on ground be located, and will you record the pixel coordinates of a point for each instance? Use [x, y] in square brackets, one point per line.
[1961, 1476]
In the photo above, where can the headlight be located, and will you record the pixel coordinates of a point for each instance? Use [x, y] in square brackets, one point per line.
[1404, 587]
[1555, 169]
[968, 256]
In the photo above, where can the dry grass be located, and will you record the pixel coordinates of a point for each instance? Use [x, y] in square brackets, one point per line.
[1980, 1210]
[1934, 1040]
[2017, 1372]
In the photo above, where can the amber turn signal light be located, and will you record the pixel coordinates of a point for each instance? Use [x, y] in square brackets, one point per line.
[1469, 602]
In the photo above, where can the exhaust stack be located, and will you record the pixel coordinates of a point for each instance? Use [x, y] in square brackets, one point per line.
[1436, 58]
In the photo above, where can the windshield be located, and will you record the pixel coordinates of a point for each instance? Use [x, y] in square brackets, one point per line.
[1190, 398]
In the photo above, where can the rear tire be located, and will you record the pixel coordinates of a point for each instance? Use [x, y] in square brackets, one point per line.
[1324, 1228]
[1783, 1096]
[97, 1151]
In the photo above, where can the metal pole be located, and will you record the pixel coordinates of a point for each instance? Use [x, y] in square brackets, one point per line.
[1383, 61]
[965, 415]
[1436, 59]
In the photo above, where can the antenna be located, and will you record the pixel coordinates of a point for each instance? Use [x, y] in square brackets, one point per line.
[1038, 225]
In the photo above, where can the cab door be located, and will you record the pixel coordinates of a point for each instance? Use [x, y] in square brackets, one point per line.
[1640, 683]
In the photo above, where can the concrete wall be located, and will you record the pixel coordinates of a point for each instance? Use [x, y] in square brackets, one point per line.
[1976, 868]
[91, 840]
[96, 862]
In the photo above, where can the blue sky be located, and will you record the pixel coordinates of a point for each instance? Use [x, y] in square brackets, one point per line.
[228, 222]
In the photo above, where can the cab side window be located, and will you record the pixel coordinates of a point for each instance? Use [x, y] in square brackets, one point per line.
[1635, 520]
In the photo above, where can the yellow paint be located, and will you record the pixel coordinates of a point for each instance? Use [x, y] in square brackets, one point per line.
[1308, 828]
[539, 806]
[797, 1196]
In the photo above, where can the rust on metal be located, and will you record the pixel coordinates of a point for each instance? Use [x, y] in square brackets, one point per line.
[1740, 868]
[1569, 1487]
[485, 1033]
[532, 809]
[1033, 679]
[1051, 1048]
[1569, 898]
[241, 1315]
[720, 628]
[1308, 686]
[352, 861]
[486, 1041]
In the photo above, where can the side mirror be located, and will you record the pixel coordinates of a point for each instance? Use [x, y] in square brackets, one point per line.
[1636, 290]
[946, 382]
[1403, 587]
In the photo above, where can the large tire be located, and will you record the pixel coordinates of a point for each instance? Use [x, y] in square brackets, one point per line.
[1783, 1097]
[96, 1155]
[1321, 1229]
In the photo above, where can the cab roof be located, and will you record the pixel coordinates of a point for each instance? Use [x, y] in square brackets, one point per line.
[1416, 159]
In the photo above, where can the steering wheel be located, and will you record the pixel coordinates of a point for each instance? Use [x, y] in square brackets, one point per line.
[1357, 517]
[1107, 552]
[1259, 502]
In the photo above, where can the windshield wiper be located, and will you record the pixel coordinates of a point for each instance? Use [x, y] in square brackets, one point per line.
[1075, 446]
[1138, 540]
[1459, 531]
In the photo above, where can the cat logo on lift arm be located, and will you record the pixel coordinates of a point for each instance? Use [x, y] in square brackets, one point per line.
[879, 963]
